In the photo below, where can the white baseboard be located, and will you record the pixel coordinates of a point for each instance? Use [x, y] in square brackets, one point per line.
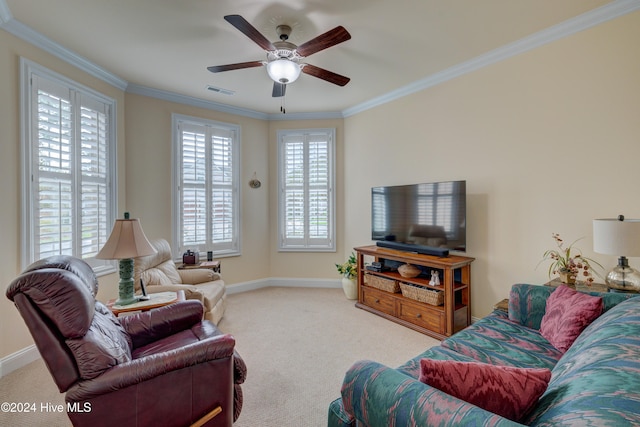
[29, 354]
[18, 359]
[283, 282]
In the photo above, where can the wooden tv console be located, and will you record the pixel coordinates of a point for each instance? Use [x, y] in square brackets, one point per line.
[439, 321]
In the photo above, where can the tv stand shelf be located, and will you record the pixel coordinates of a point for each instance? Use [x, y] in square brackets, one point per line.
[438, 321]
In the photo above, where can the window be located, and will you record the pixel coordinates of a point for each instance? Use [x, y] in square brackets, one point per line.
[68, 152]
[306, 198]
[207, 195]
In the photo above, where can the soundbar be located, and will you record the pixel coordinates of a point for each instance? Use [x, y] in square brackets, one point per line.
[407, 247]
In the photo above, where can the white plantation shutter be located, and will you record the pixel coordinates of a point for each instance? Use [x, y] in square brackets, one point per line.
[207, 193]
[69, 154]
[306, 198]
[223, 205]
[96, 223]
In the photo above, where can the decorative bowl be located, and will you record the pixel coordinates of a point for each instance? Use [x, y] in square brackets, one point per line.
[409, 271]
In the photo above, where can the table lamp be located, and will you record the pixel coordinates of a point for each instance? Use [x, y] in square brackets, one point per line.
[621, 237]
[127, 241]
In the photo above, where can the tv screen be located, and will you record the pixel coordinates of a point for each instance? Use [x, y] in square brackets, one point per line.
[431, 215]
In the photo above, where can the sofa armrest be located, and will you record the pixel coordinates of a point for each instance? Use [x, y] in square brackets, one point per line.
[153, 325]
[528, 303]
[377, 395]
[146, 368]
[190, 291]
[194, 276]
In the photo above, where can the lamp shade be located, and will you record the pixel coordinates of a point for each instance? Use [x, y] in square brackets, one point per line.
[613, 236]
[283, 71]
[127, 240]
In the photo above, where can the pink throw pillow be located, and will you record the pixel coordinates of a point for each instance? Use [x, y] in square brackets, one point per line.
[568, 312]
[504, 390]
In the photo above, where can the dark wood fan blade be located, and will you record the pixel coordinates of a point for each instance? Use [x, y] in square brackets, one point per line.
[327, 75]
[279, 89]
[324, 41]
[250, 31]
[238, 66]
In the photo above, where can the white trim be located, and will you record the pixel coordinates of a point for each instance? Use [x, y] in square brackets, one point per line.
[571, 26]
[5, 13]
[194, 102]
[18, 359]
[33, 37]
[216, 106]
[29, 70]
[177, 121]
[285, 243]
[306, 116]
[286, 282]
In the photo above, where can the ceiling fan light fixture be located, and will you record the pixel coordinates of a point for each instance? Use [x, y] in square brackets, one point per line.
[283, 70]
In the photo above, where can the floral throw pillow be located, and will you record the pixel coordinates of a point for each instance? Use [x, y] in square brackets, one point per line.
[504, 390]
[568, 312]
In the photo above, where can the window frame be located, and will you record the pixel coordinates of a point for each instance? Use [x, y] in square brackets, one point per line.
[235, 247]
[284, 244]
[29, 154]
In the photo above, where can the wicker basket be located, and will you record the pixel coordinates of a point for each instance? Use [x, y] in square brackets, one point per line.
[417, 293]
[382, 283]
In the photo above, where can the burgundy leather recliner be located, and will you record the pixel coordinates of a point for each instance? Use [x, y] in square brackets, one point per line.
[164, 367]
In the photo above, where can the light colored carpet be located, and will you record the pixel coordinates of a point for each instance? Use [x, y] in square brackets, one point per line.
[297, 344]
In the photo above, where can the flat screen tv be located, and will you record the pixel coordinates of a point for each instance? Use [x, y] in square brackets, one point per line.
[425, 218]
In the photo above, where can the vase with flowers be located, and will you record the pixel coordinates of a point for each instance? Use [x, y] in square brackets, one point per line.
[569, 263]
[349, 271]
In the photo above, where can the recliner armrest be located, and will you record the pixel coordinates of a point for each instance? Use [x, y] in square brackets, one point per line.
[191, 292]
[153, 325]
[149, 367]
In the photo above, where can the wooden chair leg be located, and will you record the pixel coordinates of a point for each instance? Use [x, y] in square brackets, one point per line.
[202, 421]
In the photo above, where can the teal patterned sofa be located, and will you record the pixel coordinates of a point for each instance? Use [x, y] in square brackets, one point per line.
[596, 382]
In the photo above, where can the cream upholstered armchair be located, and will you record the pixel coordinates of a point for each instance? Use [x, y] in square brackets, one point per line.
[160, 274]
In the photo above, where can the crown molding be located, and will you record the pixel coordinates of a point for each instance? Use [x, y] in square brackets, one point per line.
[224, 108]
[5, 13]
[571, 26]
[22, 31]
[327, 115]
[193, 101]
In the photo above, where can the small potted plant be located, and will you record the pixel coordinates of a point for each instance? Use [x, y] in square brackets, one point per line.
[569, 263]
[349, 271]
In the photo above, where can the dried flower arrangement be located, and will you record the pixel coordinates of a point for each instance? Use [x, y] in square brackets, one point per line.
[569, 263]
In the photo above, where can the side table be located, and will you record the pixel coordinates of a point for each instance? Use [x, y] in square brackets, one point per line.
[579, 286]
[212, 265]
[156, 300]
[502, 305]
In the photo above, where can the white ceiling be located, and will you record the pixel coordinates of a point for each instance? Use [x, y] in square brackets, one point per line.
[166, 45]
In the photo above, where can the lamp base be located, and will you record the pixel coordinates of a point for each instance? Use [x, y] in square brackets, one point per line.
[125, 285]
[623, 278]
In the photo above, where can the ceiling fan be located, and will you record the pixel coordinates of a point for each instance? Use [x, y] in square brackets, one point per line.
[284, 58]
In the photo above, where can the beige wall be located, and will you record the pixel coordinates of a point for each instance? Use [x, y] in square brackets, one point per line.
[14, 335]
[547, 141]
[148, 129]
